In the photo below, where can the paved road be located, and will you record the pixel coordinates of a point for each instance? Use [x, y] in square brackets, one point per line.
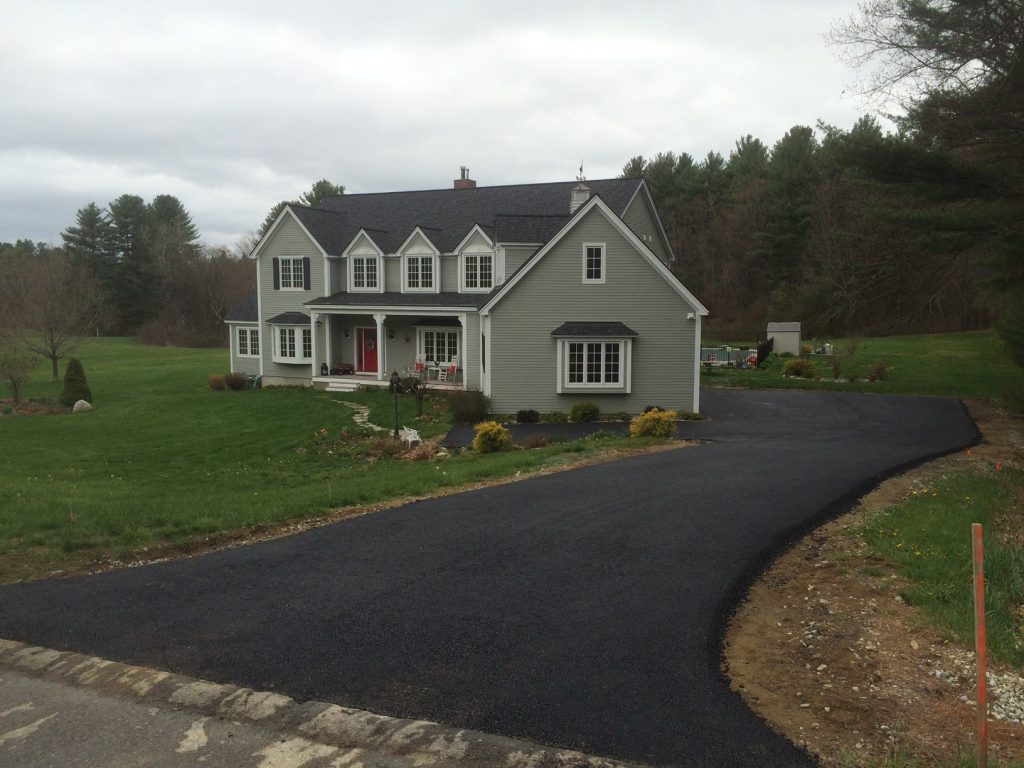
[580, 609]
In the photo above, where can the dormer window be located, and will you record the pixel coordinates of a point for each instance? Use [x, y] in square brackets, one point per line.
[419, 273]
[478, 271]
[365, 275]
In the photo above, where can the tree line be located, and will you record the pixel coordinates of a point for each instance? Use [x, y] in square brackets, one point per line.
[862, 231]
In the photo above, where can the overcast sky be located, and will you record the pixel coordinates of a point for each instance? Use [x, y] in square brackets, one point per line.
[232, 106]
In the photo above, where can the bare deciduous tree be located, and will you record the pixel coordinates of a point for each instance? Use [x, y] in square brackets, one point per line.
[50, 304]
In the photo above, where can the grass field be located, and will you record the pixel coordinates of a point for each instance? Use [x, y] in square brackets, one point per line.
[952, 364]
[164, 458]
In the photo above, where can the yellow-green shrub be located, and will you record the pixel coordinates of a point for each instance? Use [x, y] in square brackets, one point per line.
[799, 367]
[653, 424]
[491, 437]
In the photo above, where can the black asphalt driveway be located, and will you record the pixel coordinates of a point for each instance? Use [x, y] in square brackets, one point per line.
[582, 609]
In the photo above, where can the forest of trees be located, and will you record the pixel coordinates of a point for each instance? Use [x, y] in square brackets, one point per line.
[861, 231]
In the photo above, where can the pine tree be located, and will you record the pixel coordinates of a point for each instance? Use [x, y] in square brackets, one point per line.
[75, 386]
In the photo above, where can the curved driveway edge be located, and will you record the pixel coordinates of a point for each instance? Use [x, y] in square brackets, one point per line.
[366, 738]
[582, 609]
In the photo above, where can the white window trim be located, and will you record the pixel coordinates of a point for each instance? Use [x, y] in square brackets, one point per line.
[625, 383]
[291, 272]
[299, 359]
[604, 264]
[378, 260]
[435, 272]
[421, 348]
[463, 288]
[249, 330]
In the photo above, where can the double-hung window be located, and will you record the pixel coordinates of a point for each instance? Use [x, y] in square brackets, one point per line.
[419, 273]
[293, 344]
[593, 263]
[478, 271]
[247, 342]
[365, 274]
[291, 274]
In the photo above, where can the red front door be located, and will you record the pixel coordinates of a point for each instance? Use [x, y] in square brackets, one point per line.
[366, 356]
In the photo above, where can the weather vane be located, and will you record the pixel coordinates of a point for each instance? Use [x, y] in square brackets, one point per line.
[581, 178]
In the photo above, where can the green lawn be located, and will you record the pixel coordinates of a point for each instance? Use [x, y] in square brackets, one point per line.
[928, 539]
[164, 458]
[955, 364]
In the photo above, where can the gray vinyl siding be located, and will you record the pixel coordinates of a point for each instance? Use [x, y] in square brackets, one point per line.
[516, 256]
[339, 275]
[287, 241]
[523, 364]
[450, 273]
[242, 364]
[393, 273]
[640, 218]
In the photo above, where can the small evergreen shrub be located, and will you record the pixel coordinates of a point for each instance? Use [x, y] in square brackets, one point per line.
[235, 380]
[555, 417]
[802, 369]
[217, 381]
[468, 406]
[585, 411]
[617, 416]
[491, 437]
[536, 440]
[650, 408]
[527, 416]
[688, 416]
[75, 387]
[653, 424]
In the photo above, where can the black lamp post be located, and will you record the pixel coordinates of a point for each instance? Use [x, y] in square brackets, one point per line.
[394, 392]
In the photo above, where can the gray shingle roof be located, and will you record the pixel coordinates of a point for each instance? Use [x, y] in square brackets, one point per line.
[395, 299]
[522, 209]
[289, 318]
[247, 311]
[593, 329]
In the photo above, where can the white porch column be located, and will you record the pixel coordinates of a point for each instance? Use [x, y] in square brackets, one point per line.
[315, 318]
[327, 341]
[379, 319]
[462, 351]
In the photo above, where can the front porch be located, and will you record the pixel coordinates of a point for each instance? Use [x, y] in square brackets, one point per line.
[354, 348]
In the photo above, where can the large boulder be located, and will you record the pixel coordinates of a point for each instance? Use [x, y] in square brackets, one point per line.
[81, 406]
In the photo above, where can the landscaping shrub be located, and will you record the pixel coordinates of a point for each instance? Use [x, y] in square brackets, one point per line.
[536, 440]
[468, 406]
[602, 434]
[75, 387]
[657, 423]
[426, 449]
[688, 416]
[650, 408]
[879, 371]
[555, 417]
[491, 437]
[527, 416]
[235, 380]
[617, 416]
[585, 411]
[802, 369]
[217, 381]
[383, 448]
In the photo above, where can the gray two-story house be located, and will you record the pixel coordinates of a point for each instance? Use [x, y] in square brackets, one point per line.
[539, 295]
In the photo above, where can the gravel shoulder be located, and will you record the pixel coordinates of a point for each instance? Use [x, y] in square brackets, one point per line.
[827, 653]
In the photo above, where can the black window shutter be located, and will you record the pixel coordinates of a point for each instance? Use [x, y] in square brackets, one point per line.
[305, 273]
[277, 273]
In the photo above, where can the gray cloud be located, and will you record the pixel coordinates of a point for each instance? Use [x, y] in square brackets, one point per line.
[232, 106]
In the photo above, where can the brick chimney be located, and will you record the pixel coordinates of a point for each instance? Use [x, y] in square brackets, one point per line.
[464, 182]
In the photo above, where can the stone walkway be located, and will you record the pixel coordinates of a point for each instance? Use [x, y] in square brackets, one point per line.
[361, 416]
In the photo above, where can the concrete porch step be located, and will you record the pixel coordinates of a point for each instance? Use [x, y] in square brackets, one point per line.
[341, 386]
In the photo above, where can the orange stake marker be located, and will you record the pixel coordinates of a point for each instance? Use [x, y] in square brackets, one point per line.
[980, 643]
